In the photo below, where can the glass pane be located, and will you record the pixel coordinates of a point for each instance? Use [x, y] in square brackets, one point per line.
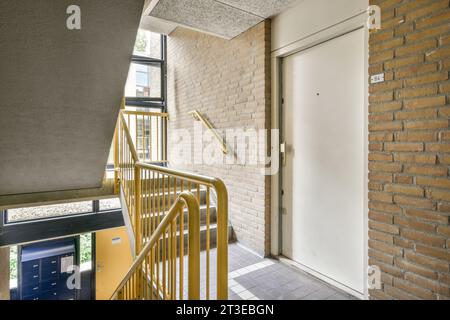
[86, 251]
[110, 204]
[109, 171]
[143, 109]
[111, 155]
[148, 44]
[49, 211]
[143, 81]
[147, 134]
[13, 265]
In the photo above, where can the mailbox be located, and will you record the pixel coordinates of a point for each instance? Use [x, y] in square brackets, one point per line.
[47, 270]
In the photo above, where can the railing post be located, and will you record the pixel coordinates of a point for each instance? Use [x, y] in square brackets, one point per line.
[120, 295]
[137, 216]
[116, 150]
[222, 240]
[165, 146]
[194, 251]
[137, 208]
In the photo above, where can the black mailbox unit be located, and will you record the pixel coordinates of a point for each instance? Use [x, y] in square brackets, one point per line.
[43, 271]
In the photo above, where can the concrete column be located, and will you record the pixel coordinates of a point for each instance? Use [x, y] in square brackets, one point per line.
[4, 273]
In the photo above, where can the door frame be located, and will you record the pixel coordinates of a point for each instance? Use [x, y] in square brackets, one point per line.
[356, 22]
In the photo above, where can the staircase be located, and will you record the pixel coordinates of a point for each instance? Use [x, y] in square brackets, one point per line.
[208, 216]
[171, 215]
[153, 275]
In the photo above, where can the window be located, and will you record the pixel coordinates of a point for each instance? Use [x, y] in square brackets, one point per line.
[144, 81]
[29, 214]
[48, 211]
[148, 44]
[146, 84]
[13, 264]
[86, 251]
[109, 204]
[110, 163]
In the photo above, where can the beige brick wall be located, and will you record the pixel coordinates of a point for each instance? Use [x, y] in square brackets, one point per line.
[409, 207]
[229, 83]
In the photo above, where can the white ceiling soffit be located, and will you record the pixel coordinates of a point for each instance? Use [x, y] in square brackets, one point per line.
[157, 25]
[262, 8]
[224, 18]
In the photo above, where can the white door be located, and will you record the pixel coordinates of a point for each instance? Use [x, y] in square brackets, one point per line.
[324, 178]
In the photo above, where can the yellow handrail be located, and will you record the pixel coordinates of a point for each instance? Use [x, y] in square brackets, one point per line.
[222, 218]
[149, 134]
[198, 116]
[149, 190]
[146, 258]
[128, 137]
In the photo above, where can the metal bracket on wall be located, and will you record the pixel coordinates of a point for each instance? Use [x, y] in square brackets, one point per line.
[198, 117]
[283, 153]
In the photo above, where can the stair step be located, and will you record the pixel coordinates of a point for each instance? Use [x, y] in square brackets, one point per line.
[213, 238]
[166, 182]
[169, 196]
[212, 216]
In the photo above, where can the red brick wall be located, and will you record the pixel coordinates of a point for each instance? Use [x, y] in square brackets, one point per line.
[409, 158]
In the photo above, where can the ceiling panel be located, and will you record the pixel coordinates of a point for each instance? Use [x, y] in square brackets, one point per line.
[262, 8]
[157, 25]
[206, 15]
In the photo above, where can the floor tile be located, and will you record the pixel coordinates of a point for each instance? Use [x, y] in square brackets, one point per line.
[252, 277]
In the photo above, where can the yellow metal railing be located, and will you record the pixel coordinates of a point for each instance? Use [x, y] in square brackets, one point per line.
[153, 275]
[148, 131]
[127, 172]
[163, 184]
[150, 190]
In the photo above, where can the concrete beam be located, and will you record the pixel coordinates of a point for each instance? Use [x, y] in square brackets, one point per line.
[47, 198]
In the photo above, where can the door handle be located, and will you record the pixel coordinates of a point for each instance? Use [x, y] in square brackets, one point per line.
[283, 153]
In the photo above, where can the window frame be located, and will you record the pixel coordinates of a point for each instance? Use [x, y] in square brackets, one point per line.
[15, 233]
[96, 209]
[152, 102]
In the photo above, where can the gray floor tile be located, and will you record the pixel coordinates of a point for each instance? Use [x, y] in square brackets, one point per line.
[245, 282]
[291, 286]
[321, 294]
[275, 281]
[341, 296]
[261, 293]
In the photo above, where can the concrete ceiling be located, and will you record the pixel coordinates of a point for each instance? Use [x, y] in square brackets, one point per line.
[224, 18]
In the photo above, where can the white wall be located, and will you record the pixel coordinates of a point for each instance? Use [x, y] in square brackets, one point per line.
[311, 16]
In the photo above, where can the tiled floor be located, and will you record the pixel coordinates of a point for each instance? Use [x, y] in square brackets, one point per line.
[251, 277]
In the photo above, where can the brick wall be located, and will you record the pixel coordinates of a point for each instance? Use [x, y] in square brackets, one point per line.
[409, 206]
[229, 83]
